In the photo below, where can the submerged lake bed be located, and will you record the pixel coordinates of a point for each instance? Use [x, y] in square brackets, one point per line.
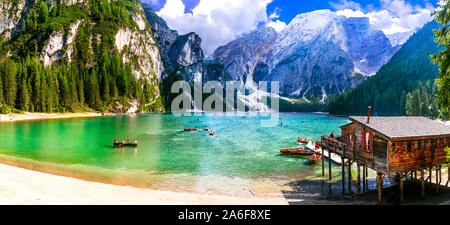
[242, 159]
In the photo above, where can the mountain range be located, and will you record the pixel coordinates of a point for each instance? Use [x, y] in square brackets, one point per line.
[317, 56]
[387, 91]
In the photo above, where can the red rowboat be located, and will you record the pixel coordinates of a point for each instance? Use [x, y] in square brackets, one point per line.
[315, 158]
[296, 151]
[303, 140]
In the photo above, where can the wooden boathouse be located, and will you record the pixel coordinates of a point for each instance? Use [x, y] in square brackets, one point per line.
[391, 146]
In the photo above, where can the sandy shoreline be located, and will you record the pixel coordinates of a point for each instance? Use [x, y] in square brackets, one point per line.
[45, 116]
[21, 186]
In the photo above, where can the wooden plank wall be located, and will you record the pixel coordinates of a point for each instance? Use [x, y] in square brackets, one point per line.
[380, 145]
[417, 154]
[380, 154]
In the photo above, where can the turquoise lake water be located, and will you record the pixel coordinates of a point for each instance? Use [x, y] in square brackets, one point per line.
[242, 156]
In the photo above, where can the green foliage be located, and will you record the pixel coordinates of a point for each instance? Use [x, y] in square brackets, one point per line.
[387, 90]
[43, 13]
[96, 76]
[442, 16]
[8, 71]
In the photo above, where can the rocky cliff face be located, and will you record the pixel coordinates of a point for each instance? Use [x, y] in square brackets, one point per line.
[242, 57]
[163, 34]
[186, 55]
[10, 16]
[317, 54]
[182, 54]
[133, 39]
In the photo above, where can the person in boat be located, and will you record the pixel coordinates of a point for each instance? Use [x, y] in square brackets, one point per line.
[281, 124]
[332, 135]
[135, 141]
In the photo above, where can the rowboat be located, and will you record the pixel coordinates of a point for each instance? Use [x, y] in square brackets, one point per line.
[315, 158]
[296, 151]
[125, 144]
[190, 129]
[305, 141]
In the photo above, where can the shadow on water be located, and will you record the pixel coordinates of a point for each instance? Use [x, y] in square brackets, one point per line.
[321, 191]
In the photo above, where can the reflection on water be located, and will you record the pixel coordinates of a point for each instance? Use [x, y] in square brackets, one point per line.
[242, 158]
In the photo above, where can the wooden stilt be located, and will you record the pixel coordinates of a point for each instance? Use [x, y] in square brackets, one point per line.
[329, 164]
[440, 175]
[343, 175]
[448, 176]
[349, 175]
[415, 174]
[359, 178]
[437, 180]
[323, 163]
[422, 177]
[379, 177]
[431, 174]
[367, 178]
[364, 178]
[401, 187]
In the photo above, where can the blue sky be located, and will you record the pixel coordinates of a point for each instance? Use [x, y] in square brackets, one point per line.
[290, 8]
[220, 21]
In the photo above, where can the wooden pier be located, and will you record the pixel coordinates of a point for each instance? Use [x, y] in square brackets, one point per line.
[402, 146]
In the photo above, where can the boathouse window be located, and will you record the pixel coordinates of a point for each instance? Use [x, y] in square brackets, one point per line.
[394, 147]
[405, 146]
[422, 145]
[416, 145]
[366, 139]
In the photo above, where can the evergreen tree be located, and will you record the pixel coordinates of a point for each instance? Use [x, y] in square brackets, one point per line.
[434, 109]
[424, 103]
[408, 105]
[24, 97]
[403, 103]
[442, 16]
[415, 104]
[9, 71]
[43, 12]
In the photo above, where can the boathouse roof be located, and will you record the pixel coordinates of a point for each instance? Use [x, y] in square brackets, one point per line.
[404, 127]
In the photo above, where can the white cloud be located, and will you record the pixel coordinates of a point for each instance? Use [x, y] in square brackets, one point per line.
[275, 14]
[394, 16]
[277, 25]
[218, 21]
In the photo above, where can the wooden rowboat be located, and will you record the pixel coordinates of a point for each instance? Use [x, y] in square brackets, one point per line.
[315, 158]
[305, 141]
[190, 129]
[296, 151]
[126, 144]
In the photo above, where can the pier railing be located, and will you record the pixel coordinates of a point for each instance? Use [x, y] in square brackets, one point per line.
[335, 145]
